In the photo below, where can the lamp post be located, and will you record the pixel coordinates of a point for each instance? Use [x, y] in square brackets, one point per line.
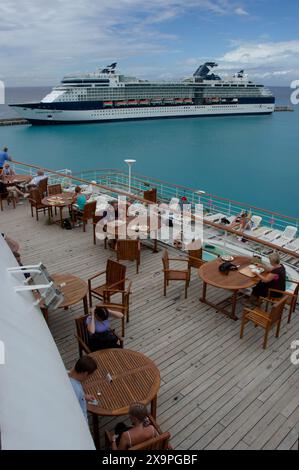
[130, 163]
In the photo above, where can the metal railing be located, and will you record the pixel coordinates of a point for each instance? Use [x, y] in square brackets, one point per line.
[116, 183]
[211, 203]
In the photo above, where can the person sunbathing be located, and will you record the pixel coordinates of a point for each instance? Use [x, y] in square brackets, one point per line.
[242, 222]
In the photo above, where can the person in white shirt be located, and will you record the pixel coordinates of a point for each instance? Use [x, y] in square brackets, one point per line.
[37, 179]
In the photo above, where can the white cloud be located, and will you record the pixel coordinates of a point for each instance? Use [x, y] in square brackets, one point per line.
[241, 11]
[41, 40]
[259, 53]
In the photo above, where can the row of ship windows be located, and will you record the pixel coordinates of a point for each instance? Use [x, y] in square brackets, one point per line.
[140, 111]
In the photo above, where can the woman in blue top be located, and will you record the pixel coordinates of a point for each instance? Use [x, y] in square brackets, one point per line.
[80, 200]
[98, 327]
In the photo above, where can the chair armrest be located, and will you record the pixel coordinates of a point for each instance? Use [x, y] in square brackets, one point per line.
[96, 275]
[280, 292]
[83, 345]
[258, 314]
[115, 285]
[178, 259]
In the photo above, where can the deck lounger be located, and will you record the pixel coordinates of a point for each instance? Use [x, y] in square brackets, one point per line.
[214, 217]
[293, 246]
[287, 236]
[259, 232]
[271, 236]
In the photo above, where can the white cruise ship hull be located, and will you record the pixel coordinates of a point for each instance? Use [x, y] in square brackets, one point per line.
[47, 116]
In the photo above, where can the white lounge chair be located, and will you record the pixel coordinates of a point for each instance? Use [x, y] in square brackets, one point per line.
[293, 246]
[214, 217]
[256, 221]
[271, 236]
[287, 236]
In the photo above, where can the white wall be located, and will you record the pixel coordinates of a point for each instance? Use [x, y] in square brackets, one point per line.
[38, 408]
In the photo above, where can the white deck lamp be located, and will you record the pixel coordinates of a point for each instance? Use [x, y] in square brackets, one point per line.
[130, 162]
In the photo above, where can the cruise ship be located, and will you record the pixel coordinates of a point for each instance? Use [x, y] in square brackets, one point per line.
[107, 95]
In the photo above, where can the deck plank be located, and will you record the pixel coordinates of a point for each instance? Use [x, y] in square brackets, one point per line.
[217, 391]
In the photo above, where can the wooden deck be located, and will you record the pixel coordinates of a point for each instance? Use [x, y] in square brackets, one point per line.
[217, 391]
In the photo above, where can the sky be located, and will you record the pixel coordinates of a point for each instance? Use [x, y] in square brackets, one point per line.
[42, 40]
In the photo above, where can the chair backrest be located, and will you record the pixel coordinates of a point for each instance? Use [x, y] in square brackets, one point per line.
[42, 186]
[54, 189]
[256, 219]
[160, 442]
[89, 210]
[81, 329]
[195, 258]
[289, 232]
[277, 309]
[165, 260]
[150, 195]
[35, 196]
[115, 272]
[127, 249]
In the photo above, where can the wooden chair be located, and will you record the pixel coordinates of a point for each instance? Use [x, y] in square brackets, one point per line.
[82, 336]
[175, 274]
[115, 278]
[128, 250]
[86, 215]
[264, 318]
[195, 259]
[54, 189]
[8, 198]
[161, 442]
[292, 298]
[150, 195]
[123, 306]
[35, 200]
[43, 186]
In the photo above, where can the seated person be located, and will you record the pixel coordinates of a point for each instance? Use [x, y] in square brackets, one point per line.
[7, 170]
[10, 192]
[273, 278]
[98, 327]
[140, 431]
[36, 180]
[79, 200]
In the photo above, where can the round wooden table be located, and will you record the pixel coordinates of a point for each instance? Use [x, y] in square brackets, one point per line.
[17, 179]
[233, 281]
[73, 288]
[133, 228]
[135, 378]
[58, 200]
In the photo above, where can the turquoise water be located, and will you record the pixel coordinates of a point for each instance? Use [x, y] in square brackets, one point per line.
[251, 159]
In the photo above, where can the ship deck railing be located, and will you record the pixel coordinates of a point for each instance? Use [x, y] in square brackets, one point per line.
[116, 183]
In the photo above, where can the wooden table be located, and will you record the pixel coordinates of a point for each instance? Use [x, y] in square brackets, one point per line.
[233, 281]
[135, 378]
[16, 179]
[58, 200]
[131, 228]
[73, 288]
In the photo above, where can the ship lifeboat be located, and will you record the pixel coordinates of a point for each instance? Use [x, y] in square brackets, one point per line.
[179, 101]
[157, 101]
[121, 103]
[108, 103]
[188, 101]
[215, 99]
[146, 102]
[133, 102]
